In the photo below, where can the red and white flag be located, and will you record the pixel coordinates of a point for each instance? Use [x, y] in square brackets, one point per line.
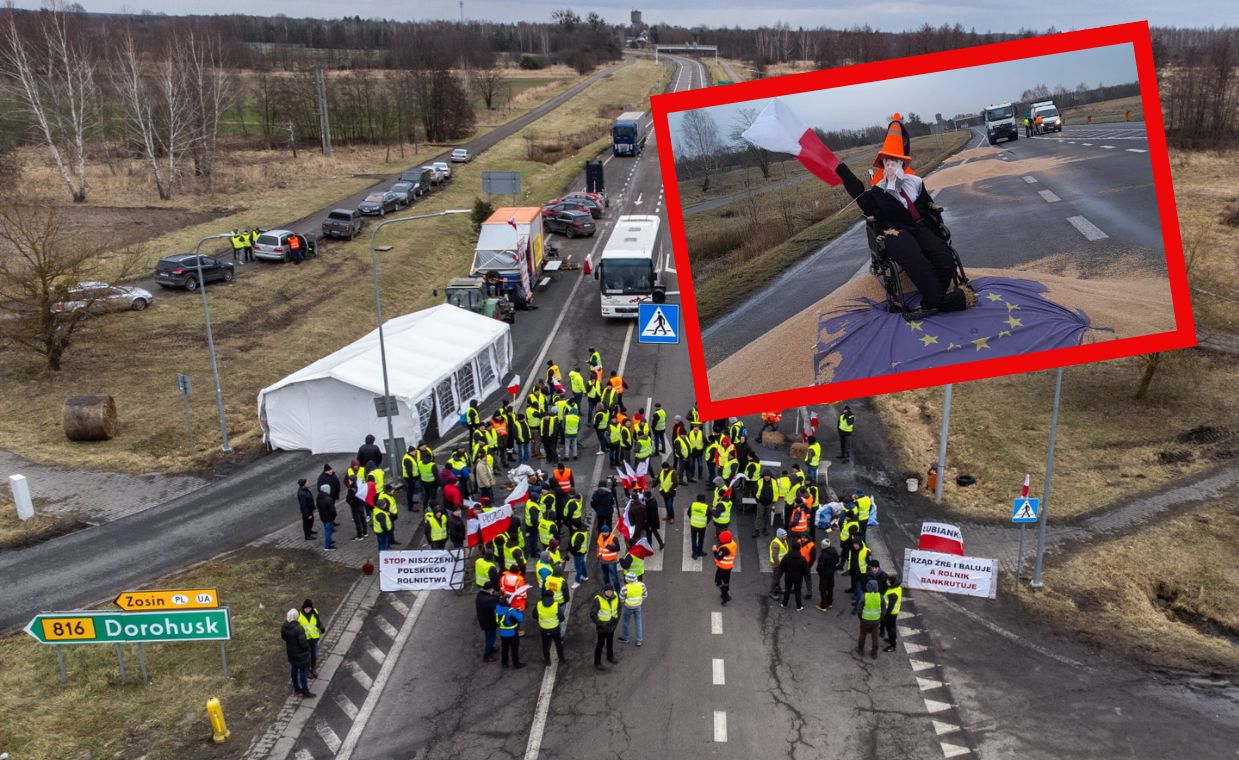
[626, 526]
[941, 538]
[486, 525]
[1024, 490]
[512, 223]
[642, 473]
[641, 549]
[810, 427]
[514, 385]
[519, 495]
[779, 130]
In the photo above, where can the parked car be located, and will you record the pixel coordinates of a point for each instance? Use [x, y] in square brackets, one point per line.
[272, 245]
[569, 223]
[461, 156]
[406, 191]
[419, 176]
[436, 177]
[599, 198]
[98, 297]
[595, 208]
[444, 168]
[342, 223]
[180, 270]
[557, 205]
[378, 204]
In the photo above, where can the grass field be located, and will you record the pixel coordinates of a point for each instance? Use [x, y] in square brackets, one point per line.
[276, 318]
[738, 248]
[16, 533]
[1106, 111]
[96, 716]
[1133, 594]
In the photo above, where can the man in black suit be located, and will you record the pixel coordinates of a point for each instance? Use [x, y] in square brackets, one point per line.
[900, 204]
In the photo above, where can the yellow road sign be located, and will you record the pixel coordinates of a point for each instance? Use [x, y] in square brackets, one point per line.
[68, 628]
[173, 599]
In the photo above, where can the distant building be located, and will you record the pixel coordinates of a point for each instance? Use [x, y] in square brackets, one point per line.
[635, 17]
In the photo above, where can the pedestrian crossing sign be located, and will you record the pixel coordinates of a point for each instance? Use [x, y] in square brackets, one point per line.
[1025, 510]
[658, 323]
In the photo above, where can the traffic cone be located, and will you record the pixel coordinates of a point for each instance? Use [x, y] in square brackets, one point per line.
[585, 270]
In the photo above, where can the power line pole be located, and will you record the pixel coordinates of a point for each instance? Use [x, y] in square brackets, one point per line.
[324, 119]
[462, 11]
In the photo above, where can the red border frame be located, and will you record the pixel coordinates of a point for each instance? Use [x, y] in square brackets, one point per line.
[1136, 33]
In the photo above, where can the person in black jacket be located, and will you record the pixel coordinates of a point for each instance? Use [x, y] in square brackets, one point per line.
[305, 500]
[329, 478]
[603, 503]
[485, 604]
[327, 513]
[297, 647]
[900, 205]
[827, 562]
[369, 455]
[793, 570]
[652, 522]
[457, 528]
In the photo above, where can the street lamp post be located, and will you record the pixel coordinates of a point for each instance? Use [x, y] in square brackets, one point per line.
[206, 317]
[942, 434]
[378, 318]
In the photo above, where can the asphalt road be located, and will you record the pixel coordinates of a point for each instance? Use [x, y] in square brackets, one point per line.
[997, 222]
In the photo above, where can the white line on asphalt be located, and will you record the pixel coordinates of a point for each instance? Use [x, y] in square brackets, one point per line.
[1136, 150]
[914, 648]
[1008, 634]
[399, 606]
[373, 694]
[304, 754]
[941, 728]
[906, 632]
[329, 736]
[720, 726]
[638, 201]
[375, 653]
[925, 684]
[359, 675]
[346, 705]
[919, 665]
[1087, 144]
[720, 678]
[1048, 196]
[953, 750]
[1108, 147]
[934, 706]
[1089, 230]
[385, 627]
[716, 623]
[1030, 180]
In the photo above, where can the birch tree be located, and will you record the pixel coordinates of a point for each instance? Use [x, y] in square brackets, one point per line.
[157, 109]
[209, 94]
[51, 73]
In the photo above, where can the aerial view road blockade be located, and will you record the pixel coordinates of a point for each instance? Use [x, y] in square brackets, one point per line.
[352, 397]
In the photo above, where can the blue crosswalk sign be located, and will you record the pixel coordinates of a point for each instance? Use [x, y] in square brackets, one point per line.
[1025, 510]
[658, 323]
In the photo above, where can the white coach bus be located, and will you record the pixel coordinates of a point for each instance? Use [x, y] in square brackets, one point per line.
[626, 272]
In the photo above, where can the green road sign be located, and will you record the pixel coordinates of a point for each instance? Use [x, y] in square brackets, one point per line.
[110, 627]
[725, 81]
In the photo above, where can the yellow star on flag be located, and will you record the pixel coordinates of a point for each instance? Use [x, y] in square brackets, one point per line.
[1011, 306]
[1004, 334]
[928, 340]
[953, 346]
[1014, 322]
[915, 325]
[993, 297]
[981, 343]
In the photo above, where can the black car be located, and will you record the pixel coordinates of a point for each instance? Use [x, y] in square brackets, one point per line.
[378, 204]
[407, 192]
[180, 270]
[569, 223]
[589, 207]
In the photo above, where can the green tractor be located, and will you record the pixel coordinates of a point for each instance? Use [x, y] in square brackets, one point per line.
[470, 293]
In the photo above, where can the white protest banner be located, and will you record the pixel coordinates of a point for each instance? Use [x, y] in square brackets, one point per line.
[940, 537]
[420, 570]
[934, 571]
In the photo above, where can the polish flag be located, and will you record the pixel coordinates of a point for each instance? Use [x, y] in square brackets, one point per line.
[779, 130]
[514, 385]
[519, 495]
[626, 527]
[1024, 490]
[810, 427]
[512, 223]
[643, 471]
[628, 478]
[641, 549]
[941, 538]
[486, 525]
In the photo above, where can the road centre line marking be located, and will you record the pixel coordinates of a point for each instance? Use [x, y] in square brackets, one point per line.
[1136, 150]
[720, 726]
[372, 696]
[1048, 196]
[720, 678]
[716, 623]
[1108, 147]
[1086, 228]
[1030, 180]
[1087, 144]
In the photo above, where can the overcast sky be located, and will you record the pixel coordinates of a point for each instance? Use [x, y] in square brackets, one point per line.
[889, 15]
[946, 92]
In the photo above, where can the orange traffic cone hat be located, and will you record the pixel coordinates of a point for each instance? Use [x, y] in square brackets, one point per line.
[895, 145]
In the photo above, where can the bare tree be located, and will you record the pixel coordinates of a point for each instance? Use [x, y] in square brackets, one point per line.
[210, 89]
[39, 261]
[487, 82]
[157, 109]
[52, 74]
[702, 143]
[744, 119]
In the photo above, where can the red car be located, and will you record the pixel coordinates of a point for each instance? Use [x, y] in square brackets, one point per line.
[577, 204]
[599, 198]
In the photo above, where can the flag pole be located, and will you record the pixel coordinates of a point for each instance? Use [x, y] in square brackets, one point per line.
[1049, 477]
[942, 434]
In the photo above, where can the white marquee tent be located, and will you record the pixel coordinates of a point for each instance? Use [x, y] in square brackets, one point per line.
[437, 360]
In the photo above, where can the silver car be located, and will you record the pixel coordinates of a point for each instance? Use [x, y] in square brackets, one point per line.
[99, 297]
[444, 168]
[272, 245]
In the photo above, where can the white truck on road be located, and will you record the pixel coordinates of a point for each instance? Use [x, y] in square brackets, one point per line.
[1000, 123]
[1051, 120]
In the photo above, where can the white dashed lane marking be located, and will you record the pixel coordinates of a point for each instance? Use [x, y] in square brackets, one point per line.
[1087, 144]
[1108, 147]
[1086, 228]
[716, 623]
[1048, 196]
[720, 677]
[720, 726]
[1030, 180]
[1136, 150]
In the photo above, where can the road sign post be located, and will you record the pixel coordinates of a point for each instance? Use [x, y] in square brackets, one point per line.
[186, 388]
[658, 323]
[1023, 511]
[170, 599]
[113, 627]
[1049, 477]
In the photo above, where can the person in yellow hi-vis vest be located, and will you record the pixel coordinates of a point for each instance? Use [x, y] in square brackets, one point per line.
[847, 423]
[310, 621]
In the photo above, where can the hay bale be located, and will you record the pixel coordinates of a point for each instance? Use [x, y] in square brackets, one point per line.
[798, 450]
[90, 418]
[773, 439]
